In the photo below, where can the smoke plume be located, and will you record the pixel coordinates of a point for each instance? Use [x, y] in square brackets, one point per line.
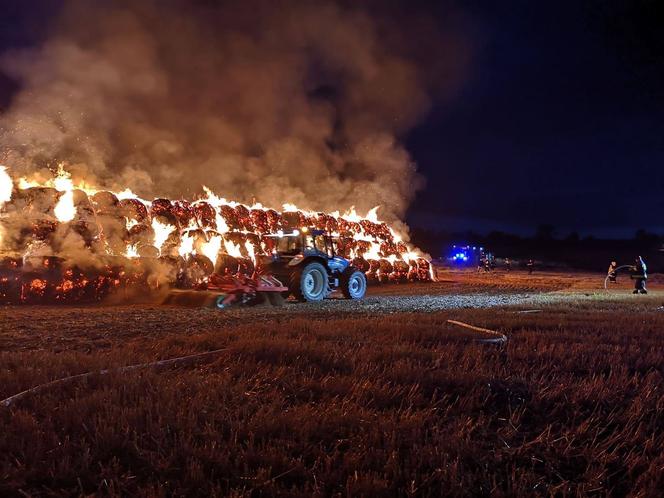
[276, 102]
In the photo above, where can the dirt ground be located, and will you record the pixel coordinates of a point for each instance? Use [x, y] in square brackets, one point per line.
[380, 397]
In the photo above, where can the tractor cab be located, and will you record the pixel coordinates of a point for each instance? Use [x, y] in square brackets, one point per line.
[307, 242]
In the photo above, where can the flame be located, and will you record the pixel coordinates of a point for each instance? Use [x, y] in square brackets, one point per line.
[186, 245]
[64, 210]
[132, 251]
[372, 214]
[6, 186]
[216, 202]
[373, 252]
[250, 250]
[161, 232]
[232, 249]
[351, 215]
[213, 198]
[211, 248]
[24, 183]
[62, 182]
[128, 194]
[410, 256]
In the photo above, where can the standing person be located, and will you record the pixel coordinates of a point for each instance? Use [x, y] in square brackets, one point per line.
[531, 266]
[640, 276]
[508, 264]
[612, 272]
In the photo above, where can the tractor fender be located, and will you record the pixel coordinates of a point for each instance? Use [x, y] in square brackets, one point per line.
[303, 261]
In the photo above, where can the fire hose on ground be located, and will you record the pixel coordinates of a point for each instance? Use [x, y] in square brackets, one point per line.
[498, 339]
[160, 363]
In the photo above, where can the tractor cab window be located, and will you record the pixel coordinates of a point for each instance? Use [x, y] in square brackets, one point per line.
[324, 246]
[309, 242]
[317, 242]
[288, 245]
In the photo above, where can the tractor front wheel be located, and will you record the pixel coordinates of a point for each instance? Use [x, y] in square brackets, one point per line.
[310, 283]
[353, 284]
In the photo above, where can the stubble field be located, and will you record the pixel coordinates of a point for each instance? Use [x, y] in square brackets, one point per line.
[378, 398]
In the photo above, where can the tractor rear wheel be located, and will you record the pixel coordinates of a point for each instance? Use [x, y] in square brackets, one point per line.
[310, 283]
[353, 284]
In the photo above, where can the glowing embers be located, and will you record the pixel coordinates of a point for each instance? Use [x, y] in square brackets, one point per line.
[51, 280]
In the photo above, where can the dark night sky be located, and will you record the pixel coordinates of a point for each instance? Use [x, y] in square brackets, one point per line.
[559, 120]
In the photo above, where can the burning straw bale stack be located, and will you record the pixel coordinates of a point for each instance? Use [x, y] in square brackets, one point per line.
[71, 245]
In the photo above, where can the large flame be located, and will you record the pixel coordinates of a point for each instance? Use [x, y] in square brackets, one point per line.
[6, 187]
[126, 194]
[161, 232]
[64, 209]
[216, 202]
[250, 250]
[211, 248]
[233, 249]
[186, 245]
[132, 251]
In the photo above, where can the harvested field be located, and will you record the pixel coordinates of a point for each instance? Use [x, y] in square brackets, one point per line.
[379, 398]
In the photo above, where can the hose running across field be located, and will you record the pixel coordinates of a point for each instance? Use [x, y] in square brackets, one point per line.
[500, 338]
[161, 363]
[606, 280]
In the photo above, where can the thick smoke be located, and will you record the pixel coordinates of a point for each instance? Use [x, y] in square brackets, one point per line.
[277, 102]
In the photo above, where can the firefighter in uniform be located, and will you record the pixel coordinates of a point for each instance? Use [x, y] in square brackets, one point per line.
[611, 272]
[640, 276]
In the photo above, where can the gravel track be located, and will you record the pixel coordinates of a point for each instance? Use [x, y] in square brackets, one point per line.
[102, 326]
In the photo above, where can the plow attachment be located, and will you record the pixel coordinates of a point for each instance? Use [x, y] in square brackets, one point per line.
[231, 291]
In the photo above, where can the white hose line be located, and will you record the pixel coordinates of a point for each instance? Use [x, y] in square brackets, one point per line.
[42, 387]
[606, 280]
[500, 338]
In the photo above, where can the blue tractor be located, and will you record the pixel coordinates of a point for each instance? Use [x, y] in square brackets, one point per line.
[306, 262]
